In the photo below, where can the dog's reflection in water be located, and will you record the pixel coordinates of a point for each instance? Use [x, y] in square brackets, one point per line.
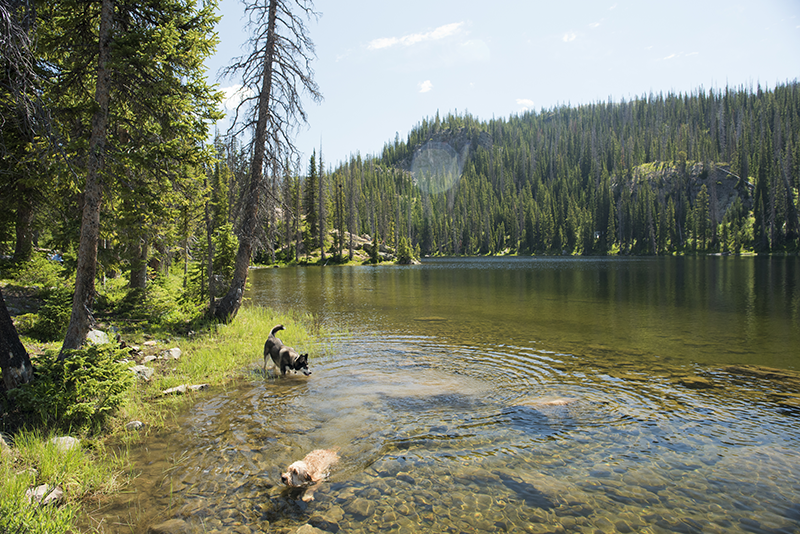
[309, 472]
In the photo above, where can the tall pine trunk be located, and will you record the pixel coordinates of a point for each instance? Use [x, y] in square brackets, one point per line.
[23, 248]
[228, 306]
[83, 300]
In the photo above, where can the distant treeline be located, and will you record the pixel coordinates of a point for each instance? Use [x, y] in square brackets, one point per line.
[712, 171]
[715, 171]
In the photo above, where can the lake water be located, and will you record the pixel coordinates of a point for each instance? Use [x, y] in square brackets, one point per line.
[507, 395]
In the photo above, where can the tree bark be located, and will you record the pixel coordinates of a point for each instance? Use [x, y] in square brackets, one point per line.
[23, 248]
[139, 266]
[14, 360]
[228, 306]
[83, 300]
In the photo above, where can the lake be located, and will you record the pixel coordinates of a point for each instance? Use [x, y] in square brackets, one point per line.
[508, 395]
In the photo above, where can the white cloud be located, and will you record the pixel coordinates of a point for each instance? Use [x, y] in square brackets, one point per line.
[569, 36]
[407, 40]
[525, 103]
[425, 86]
[671, 56]
[594, 25]
[234, 96]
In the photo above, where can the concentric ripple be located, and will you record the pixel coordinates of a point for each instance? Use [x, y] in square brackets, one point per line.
[437, 437]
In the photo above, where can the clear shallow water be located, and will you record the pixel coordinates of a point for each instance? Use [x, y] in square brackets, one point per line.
[435, 388]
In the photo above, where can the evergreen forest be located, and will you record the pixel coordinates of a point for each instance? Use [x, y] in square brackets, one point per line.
[708, 172]
[714, 171]
[124, 206]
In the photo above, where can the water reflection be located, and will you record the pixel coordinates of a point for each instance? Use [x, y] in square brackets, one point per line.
[523, 396]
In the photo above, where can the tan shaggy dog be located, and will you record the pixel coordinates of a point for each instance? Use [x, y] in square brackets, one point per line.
[310, 471]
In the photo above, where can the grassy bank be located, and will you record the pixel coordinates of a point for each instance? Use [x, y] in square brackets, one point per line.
[216, 355]
[219, 355]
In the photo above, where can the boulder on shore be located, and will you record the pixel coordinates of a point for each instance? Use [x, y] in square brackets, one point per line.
[97, 337]
[184, 388]
[45, 494]
[142, 372]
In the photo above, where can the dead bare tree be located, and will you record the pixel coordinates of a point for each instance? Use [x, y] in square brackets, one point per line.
[273, 75]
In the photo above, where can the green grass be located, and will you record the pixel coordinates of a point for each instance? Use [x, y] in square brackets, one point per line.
[218, 355]
[82, 473]
[215, 357]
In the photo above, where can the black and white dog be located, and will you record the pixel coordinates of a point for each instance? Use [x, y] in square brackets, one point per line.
[283, 356]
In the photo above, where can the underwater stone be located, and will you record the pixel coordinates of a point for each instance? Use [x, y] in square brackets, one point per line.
[325, 522]
[359, 507]
[172, 526]
[308, 529]
[405, 477]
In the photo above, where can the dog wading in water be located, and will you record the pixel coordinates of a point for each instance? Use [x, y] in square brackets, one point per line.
[283, 356]
[310, 471]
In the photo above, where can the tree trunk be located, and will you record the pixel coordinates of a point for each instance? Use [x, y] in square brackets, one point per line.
[209, 251]
[321, 208]
[139, 266]
[14, 361]
[81, 318]
[23, 248]
[228, 306]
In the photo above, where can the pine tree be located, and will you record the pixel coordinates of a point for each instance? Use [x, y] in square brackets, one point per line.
[310, 202]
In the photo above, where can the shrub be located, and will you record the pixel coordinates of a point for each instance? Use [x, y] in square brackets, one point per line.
[77, 392]
[405, 253]
[53, 316]
[39, 271]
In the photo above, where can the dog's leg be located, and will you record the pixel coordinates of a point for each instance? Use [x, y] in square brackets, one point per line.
[308, 495]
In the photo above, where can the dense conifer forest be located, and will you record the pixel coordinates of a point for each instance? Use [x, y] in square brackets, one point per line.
[712, 171]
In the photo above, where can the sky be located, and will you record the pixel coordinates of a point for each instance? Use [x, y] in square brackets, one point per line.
[384, 66]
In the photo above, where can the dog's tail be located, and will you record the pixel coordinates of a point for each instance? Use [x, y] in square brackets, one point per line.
[277, 328]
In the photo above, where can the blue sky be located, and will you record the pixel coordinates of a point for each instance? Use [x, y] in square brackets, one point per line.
[384, 66]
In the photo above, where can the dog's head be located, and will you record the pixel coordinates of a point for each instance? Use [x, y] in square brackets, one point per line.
[301, 364]
[296, 475]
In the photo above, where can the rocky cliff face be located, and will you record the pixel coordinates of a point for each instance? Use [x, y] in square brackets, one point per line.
[723, 186]
[461, 141]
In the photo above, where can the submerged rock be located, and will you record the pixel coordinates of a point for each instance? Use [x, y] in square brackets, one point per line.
[545, 401]
[360, 507]
[172, 526]
[696, 382]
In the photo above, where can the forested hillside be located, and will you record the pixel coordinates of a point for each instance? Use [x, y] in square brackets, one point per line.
[714, 171]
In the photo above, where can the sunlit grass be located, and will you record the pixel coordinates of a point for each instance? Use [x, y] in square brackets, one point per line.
[81, 473]
[214, 357]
